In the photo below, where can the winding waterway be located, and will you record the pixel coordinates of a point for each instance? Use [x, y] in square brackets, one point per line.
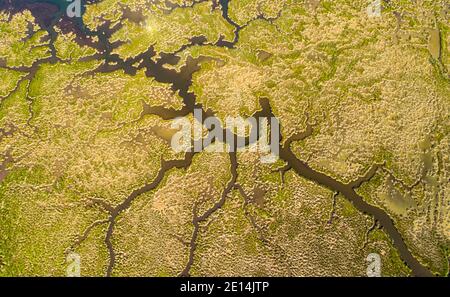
[48, 13]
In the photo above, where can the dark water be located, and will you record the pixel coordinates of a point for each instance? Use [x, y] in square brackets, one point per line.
[224, 4]
[359, 203]
[50, 12]
[46, 12]
[238, 28]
